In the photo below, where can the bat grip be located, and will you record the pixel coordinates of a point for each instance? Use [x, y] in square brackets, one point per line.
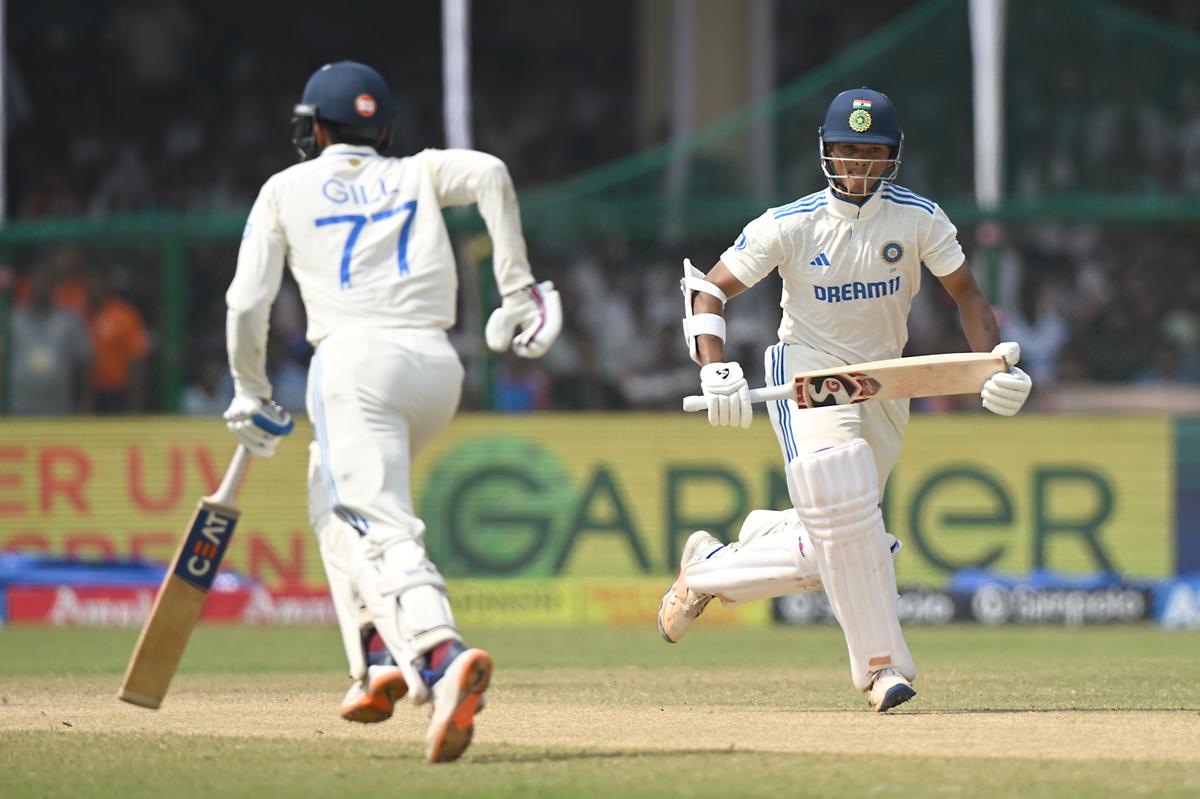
[695, 402]
[226, 493]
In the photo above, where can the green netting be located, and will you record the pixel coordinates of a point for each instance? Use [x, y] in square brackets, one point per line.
[631, 197]
[1103, 122]
[1103, 125]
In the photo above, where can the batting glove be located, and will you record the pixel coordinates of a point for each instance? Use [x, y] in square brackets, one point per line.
[727, 394]
[1005, 392]
[533, 313]
[258, 424]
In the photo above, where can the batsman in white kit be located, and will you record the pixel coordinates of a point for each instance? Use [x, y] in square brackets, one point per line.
[850, 257]
[365, 240]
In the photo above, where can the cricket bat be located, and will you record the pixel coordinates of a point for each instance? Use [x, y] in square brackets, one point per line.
[898, 378]
[183, 591]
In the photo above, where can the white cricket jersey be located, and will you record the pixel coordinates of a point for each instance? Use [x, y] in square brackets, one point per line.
[364, 237]
[849, 272]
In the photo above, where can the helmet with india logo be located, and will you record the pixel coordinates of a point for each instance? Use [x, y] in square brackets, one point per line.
[861, 116]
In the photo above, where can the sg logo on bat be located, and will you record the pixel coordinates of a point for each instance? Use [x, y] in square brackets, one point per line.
[205, 546]
[844, 389]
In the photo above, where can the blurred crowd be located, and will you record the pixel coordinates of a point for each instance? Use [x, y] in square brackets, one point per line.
[1086, 304]
[191, 116]
[192, 113]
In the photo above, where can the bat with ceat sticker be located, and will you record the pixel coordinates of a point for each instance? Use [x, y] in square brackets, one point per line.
[898, 378]
[181, 597]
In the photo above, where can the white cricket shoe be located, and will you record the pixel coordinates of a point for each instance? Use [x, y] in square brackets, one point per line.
[681, 606]
[888, 689]
[373, 699]
[457, 697]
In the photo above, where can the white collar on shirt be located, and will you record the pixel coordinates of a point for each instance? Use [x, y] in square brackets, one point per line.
[844, 209]
[348, 149]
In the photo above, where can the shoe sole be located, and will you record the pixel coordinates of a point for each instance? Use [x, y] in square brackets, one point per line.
[380, 700]
[452, 737]
[896, 695]
[661, 630]
[686, 558]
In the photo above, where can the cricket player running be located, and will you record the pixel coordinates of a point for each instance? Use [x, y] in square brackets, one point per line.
[365, 240]
[850, 257]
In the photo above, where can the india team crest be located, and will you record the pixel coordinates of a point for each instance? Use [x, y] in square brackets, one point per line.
[364, 104]
[850, 388]
[892, 252]
[860, 120]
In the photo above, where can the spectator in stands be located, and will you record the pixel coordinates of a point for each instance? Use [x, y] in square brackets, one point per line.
[1165, 367]
[65, 271]
[1041, 329]
[289, 377]
[121, 346]
[211, 391]
[50, 357]
[520, 389]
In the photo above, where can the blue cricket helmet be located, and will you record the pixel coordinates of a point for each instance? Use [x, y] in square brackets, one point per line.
[345, 93]
[862, 116]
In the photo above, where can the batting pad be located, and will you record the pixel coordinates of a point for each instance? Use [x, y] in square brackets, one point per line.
[764, 567]
[405, 597]
[838, 502]
[333, 537]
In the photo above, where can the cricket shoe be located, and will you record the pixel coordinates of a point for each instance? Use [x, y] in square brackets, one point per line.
[888, 689]
[681, 606]
[373, 699]
[457, 695]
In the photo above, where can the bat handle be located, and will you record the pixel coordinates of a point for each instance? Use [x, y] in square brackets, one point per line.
[695, 402]
[226, 493]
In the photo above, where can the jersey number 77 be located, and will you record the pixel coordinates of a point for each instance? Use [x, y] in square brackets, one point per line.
[358, 221]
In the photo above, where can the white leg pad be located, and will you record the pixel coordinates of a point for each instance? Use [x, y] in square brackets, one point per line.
[388, 620]
[837, 493]
[407, 605]
[332, 538]
[766, 522]
[346, 603]
[420, 591]
[765, 567]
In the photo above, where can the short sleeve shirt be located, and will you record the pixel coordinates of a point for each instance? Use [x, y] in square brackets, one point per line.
[849, 272]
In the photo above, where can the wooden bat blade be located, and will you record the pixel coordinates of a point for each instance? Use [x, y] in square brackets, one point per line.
[177, 607]
[899, 378]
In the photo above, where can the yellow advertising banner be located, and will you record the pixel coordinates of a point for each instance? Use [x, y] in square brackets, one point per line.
[608, 496]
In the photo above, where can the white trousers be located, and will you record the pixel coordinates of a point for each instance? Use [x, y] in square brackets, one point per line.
[880, 424]
[376, 398]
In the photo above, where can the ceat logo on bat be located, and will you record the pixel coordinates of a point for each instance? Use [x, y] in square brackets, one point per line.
[204, 547]
[364, 104]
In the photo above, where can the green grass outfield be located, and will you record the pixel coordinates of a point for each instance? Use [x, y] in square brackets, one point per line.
[1027, 712]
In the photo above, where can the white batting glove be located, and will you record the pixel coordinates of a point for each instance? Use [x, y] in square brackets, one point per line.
[534, 313]
[258, 424]
[1005, 392]
[727, 394]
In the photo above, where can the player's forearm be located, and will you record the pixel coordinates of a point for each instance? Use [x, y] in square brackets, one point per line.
[711, 349]
[246, 341]
[979, 323]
